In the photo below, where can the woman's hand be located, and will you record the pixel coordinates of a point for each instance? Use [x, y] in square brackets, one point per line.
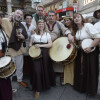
[87, 50]
[37, 46]
[70, 38]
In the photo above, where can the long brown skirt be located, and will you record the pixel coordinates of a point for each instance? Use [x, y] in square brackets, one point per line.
[86, 72]
[5, 89]
[43, 74]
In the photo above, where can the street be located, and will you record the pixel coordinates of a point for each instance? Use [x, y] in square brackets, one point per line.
[55, 93]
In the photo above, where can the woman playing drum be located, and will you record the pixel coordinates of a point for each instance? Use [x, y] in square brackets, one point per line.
[5, 83]
[87, 63]
[43, 74]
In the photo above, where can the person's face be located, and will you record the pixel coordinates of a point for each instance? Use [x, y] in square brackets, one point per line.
[98, 14]
[0, 20]
[67, 22]
[28, 20]
[78, 19]
[41, 26]
[51, 17]
[18, 15]
[40, 11]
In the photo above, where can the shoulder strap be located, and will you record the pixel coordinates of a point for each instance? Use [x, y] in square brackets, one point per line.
[59, 27]
[4, 36]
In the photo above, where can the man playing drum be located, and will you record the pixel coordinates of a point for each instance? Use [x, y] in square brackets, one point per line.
[17, 34]
[55, 29]
[5, 83]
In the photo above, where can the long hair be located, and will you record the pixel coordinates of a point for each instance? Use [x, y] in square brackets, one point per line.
[75, 27]
[71, 20]
[37, 29]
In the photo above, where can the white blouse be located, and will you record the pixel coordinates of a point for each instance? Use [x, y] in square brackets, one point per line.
[31, 27]
[87, 32]
[44, 38]
[2, 39]
[97, 25]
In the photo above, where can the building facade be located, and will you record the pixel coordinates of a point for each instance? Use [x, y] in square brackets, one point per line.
[87, 7]
[8, 6]
[61, 7]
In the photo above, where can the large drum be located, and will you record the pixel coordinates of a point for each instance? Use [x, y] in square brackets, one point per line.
[7, 67]
[34, 53]
[62, 51]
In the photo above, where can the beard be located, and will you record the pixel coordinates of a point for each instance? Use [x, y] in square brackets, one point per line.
[17, 19]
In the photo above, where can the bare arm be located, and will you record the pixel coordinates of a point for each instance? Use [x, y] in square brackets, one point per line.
[47, 45]
[95, 42]
[31, 41]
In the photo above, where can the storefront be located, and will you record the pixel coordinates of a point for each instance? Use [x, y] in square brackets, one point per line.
[64, 12]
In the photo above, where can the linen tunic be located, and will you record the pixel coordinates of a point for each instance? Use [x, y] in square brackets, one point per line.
[44, 38]
[87, 32]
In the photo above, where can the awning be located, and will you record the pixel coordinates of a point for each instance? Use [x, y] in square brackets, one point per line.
[65, 9]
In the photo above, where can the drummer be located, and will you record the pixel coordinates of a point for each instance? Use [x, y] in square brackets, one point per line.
[97, 26]
[69, 68]
[87, 61]
[56, 29]
[43, 74]
[5, 84]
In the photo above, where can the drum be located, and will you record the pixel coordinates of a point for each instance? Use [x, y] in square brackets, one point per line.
[60, 52]
[7, 67]
[33, 52]
[87, 43]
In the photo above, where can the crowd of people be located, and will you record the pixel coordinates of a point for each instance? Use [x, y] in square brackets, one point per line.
[19, 36]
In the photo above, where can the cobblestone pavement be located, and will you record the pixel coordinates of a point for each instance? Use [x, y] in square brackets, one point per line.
[58, 92]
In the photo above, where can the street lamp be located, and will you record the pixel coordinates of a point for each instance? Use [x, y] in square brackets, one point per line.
[36, 2]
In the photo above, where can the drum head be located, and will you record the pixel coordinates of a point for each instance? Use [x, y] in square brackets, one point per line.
[4, 61]
[33, 52]
[87, 43]
[59, 52]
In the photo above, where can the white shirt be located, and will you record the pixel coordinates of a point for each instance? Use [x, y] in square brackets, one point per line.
[87, 32]
[38, 38]
[2, 39]
[97, 26]
[31, 27]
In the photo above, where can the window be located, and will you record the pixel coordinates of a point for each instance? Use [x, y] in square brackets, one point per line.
[87, 2]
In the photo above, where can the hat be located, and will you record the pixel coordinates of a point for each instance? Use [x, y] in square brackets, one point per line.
[95, 13]
[67, 17]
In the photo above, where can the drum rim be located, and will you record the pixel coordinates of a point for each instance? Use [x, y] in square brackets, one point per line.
[8, 63]
[37, 56]
[10, 73]
[49, 49]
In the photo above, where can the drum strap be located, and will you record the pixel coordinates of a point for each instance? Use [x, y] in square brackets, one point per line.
[59, 27]
[4, 44]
